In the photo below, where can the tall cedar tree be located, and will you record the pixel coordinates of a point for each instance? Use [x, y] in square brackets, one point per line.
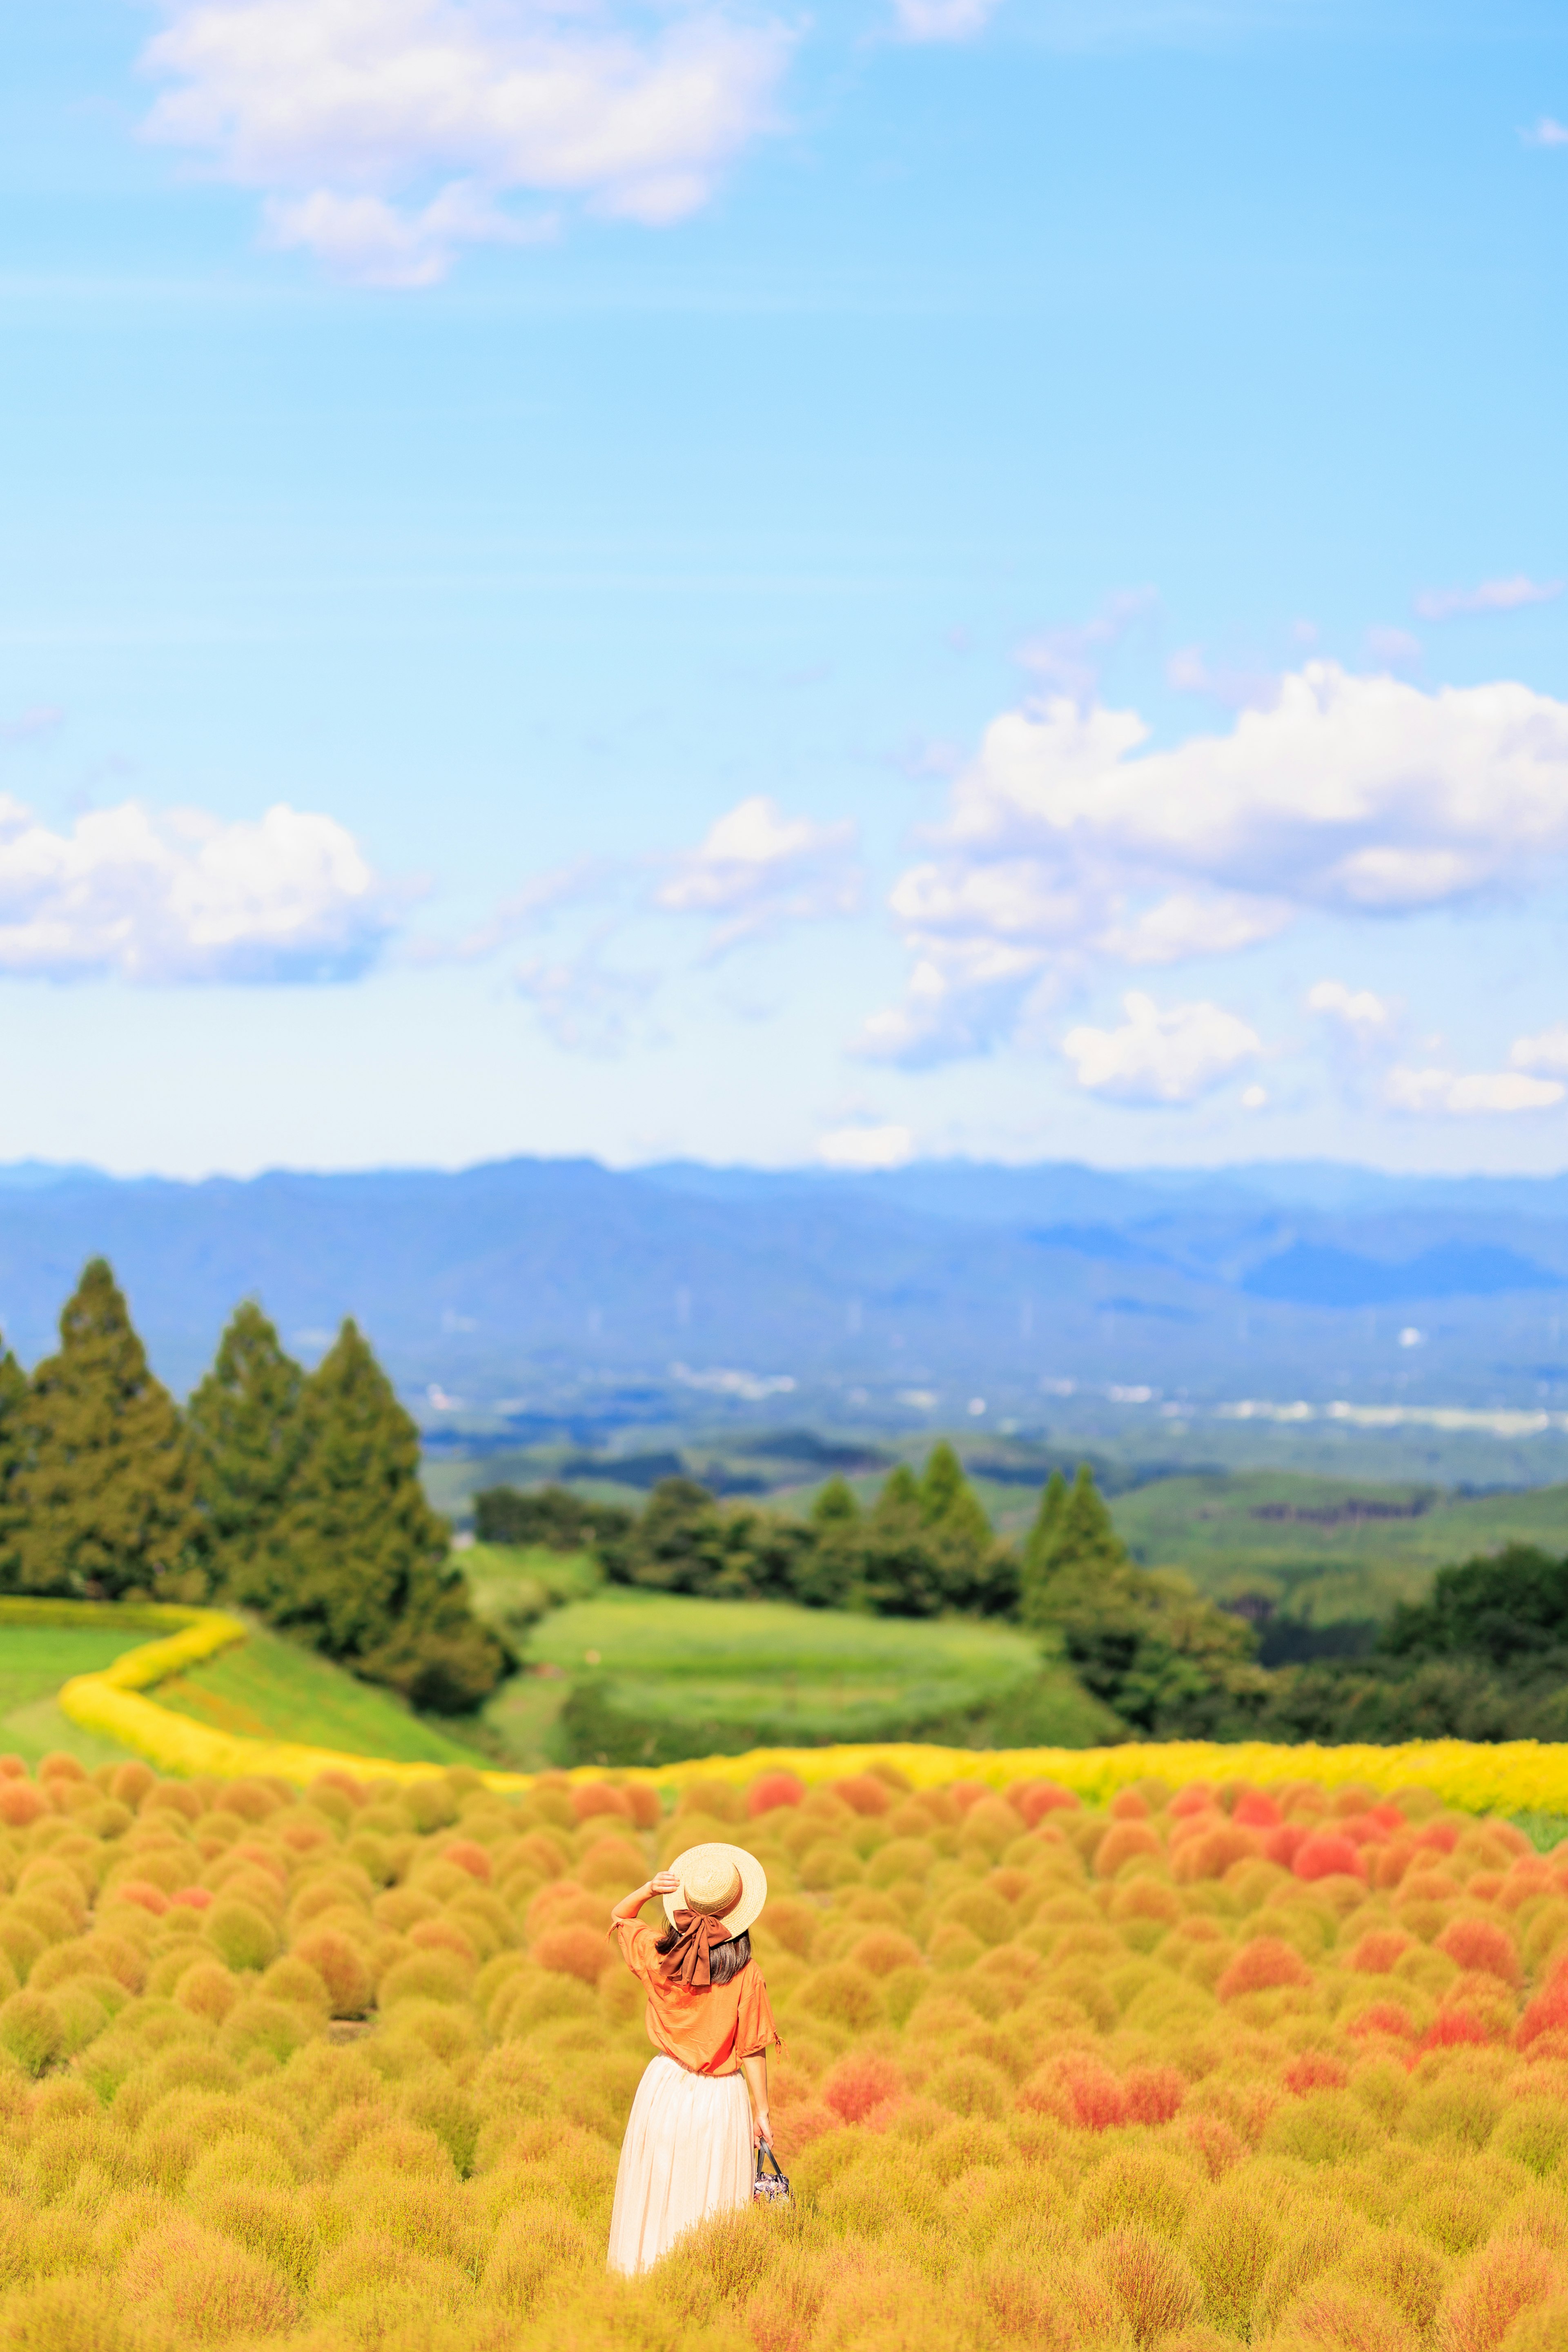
[1147, 1645]
[361, 1564]
[107, 1483]
[248, 1423]
[13, 1412]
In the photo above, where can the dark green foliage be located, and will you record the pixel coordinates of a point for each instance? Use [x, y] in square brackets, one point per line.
[924, 1547]
[248, 1422]
[552, 1517]
[360, 1567]
[1484, 1657]
[686, 1541]
[13, 1414]
[1507, 1607]
[1147, 1645]
[106, 1486]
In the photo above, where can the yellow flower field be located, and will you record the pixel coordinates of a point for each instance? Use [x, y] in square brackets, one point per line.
[349, 2066]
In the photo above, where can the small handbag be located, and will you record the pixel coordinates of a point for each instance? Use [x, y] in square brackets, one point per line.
[769, 2190]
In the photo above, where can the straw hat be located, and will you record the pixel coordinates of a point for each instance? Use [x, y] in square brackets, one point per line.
[719, 1882]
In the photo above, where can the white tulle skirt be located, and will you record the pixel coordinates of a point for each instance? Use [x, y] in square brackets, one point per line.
[687, 2154]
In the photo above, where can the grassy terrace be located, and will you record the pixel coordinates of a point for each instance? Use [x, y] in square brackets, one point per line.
[34, 1660]
[270, 1689]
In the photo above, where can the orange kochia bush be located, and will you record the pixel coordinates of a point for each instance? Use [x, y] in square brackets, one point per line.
[350, 2069]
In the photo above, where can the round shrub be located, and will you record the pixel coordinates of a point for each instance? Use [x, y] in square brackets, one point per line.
[424, 1975]
[572, 1950]
[1483, 1945]
[31, 2031]
[241, 1936]
[342, 1968]
[1151, 2284]
[1262, 1966]
[844, 1994]
[772, 1790]
[1121, 1843]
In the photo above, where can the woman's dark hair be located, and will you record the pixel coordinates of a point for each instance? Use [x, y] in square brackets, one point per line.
[724, 1960]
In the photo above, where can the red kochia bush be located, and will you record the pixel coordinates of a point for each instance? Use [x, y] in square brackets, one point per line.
[466, 1855]
[574, 1952]
[597, 1797]
[1378, 1951]
[864, 1794]
[859, 2084]
[1327, 1855]
[773, 1789]
[1548, 2012]
[1120, 1846]
[1254, 1811]
[1314, 2070]
[1261, 1967]
[1153, 2094]
[1034, 1799]
[1481, 1944]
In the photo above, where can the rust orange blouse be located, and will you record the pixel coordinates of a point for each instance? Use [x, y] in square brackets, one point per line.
[707, 2033]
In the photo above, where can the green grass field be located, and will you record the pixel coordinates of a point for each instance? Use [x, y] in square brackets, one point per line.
[726, 1674]
[268, 1689]
[1334, 1547]
[34, 1660]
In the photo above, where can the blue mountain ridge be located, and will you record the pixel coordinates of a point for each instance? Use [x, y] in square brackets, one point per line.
[532, 1288]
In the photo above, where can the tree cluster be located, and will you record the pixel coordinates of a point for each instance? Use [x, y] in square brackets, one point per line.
[1147, 1645]
[295, 1494]
[924, 1547]
[1484, 1656]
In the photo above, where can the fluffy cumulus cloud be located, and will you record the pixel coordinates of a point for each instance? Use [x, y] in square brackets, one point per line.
[184, 896]
[1480, 1093]
[1162, 1054]
[385, 135]
[1358, 1012]
[757, 868]
[943, 20]
[1546, 1051]
[1067, 842]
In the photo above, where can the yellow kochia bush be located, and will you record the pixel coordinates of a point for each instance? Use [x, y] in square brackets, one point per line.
[1222, 2061]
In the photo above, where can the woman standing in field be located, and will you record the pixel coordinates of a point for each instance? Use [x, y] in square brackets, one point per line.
[702, 2107]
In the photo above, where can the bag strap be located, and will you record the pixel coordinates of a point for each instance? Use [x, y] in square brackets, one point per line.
[763, 2149]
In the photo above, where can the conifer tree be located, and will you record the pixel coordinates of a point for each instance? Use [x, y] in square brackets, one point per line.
[361, 1563]
[248, 1422]
[13, 1412]
[107, 1485]
[1073, 1529]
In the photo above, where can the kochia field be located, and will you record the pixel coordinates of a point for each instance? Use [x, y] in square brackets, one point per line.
[1217, 2064]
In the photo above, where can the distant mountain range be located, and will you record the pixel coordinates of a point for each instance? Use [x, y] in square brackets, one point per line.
[535, 1296]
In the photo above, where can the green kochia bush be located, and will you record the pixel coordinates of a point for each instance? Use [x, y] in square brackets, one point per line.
[1222, 2065]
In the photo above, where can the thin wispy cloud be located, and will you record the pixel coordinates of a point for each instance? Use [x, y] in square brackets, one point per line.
[387, 136]
[1547, 132]
[1510, 595]
[756, 870]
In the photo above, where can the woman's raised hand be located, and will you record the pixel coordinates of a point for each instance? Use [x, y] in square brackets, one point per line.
[664, 1882]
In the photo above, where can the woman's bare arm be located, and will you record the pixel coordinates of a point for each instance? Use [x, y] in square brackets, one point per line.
[755, 2070]
[663, 1882]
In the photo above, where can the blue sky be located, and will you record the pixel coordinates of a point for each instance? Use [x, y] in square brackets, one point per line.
[705, 578]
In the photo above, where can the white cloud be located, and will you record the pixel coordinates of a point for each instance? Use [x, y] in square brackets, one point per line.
[862, 1149]
[1489, 596]
[1070, 657]
[1546, 133]
[1483, 1092]
[1162, 1056]
[756, 867]
[585, 1008]
[1549, 1051]
[943, 20]
[1068, 842]
[1360, 1012]
[181, 895]
[385, 134]
[1394, 648]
